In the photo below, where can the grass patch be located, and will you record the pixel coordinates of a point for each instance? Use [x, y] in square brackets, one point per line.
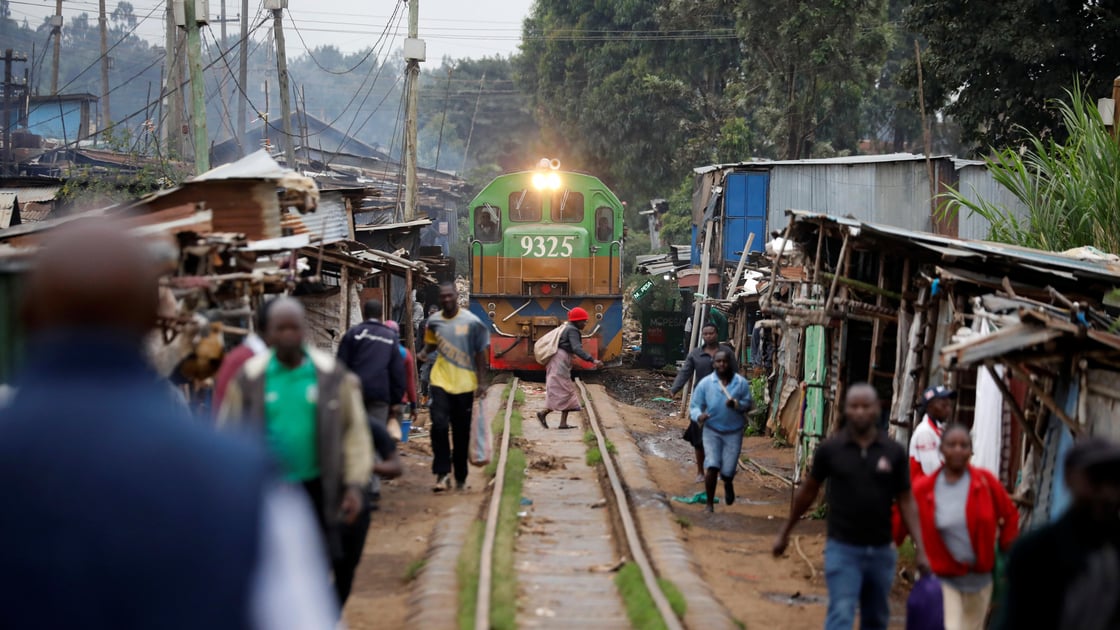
[742, 626]
[503, 596]
[414, 569]
[497, 425]
[594, 456]
[676, 601]
[683, 522]
[820, 512]
[640, 608]
[467, 573]
[519, 396]
[589, 437]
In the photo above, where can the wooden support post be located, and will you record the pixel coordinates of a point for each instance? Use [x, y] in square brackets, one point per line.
[877, 327]
[198, 91]
[1046, 399]
[774, 269]
[1115, 108]
[839, 263]
[739, 269]
[285, 93]
[1016, 411]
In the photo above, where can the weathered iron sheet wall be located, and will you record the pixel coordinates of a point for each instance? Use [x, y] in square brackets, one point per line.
[330, 221]
[890, 193]
[976, 182]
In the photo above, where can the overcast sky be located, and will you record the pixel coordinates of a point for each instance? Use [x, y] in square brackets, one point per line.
[455, 28]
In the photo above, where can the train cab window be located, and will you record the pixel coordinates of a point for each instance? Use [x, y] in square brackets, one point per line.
[604, 224]
[525, 205]
[567, 207]
[487, 223]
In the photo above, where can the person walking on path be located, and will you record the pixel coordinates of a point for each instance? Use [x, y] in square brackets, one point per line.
[121, 511]
[1066, 574]
[308, 408]
[458, 376]
[867, 473]
[965, 514]
[353, 538]
[370, 351]
[426, 366]
[407, 406]
[719, 406]
[699, 363]
[925, 444]
[560, 392]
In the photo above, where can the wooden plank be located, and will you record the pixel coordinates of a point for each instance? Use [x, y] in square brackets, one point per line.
[1047, 400]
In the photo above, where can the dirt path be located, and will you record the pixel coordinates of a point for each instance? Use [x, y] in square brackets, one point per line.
[732, 546]
[398, 539]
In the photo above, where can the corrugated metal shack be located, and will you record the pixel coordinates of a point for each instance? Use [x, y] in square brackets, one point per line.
[1028, 338]
[893, 189]
[225, 252]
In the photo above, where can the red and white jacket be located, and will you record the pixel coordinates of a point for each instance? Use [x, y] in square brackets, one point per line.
[991, 516]
[925, 449]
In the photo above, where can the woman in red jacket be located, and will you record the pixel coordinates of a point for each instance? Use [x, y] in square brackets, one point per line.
[964, 512]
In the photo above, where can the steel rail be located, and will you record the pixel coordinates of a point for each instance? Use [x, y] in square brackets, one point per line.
[633, 540]
[486, 561]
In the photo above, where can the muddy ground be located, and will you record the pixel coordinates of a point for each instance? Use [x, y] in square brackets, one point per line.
[732, 546]
[398, 538]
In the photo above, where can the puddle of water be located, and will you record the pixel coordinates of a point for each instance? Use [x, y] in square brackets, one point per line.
[796, 599]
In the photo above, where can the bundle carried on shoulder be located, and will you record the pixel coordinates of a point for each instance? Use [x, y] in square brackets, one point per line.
[548, 344]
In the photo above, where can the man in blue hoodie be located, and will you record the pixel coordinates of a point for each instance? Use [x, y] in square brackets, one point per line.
[370, 351]
[719, 406]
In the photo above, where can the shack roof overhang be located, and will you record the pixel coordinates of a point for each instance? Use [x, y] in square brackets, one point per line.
[851, 160]
[977, 256]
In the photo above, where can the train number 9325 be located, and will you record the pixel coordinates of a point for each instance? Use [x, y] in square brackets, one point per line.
[547, 246]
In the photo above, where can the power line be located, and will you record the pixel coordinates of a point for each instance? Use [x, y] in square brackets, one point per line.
[111, 48]
[307, 50]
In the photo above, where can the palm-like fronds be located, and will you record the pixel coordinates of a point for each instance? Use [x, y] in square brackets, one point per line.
[1071, 190]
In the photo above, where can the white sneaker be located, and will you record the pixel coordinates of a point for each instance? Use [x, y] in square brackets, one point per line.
[443, 483]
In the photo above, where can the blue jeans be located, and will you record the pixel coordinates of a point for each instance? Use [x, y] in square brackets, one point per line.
[858, 575]
[721, 451]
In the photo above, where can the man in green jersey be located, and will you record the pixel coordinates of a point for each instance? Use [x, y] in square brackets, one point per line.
[308, 409]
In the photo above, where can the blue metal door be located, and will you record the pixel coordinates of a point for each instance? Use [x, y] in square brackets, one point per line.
[744, 212]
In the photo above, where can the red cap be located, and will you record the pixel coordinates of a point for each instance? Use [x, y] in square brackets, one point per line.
[577, 314]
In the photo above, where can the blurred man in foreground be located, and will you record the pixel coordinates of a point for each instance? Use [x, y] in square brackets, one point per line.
[120, 511]
[308, 408]
[1067, 573]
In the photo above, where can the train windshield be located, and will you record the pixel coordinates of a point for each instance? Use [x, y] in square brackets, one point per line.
[567, 206]
[487, 223]
[525, 205]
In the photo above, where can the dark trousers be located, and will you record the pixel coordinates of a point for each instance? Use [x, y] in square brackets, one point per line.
[451, 413]
[353, 539]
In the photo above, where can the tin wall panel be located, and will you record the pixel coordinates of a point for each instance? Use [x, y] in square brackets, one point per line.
[976, 182]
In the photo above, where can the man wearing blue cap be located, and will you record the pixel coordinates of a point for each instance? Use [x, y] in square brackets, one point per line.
[925, 444]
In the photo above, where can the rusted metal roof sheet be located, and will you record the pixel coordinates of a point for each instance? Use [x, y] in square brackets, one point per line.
[984, 251]
[330, 223]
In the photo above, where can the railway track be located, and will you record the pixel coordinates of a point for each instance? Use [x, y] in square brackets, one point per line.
[567, 552]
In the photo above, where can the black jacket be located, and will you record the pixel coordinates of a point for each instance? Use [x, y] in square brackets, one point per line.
[699, 362]
[1042, 567]
[371, 351]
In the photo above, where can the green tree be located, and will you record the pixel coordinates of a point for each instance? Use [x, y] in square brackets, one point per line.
[1069, 187]
[996, 66]
[810, 64]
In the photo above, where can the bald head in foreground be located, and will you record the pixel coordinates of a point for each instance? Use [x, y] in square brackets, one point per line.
[120, 510]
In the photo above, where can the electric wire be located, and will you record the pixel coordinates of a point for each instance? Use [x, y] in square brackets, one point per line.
[307, 50]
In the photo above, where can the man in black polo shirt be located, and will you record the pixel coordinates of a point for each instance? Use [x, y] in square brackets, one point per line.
[866, 474]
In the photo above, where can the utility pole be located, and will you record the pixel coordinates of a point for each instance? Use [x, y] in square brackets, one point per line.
[198, 89]
[289, 145]
[103, 25]
[172, 124]
[56, 30]
[1116, 108]
[414, 53]
[9, 99]
[243, 71]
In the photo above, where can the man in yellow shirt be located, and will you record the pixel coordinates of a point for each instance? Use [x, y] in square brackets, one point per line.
[457, 377]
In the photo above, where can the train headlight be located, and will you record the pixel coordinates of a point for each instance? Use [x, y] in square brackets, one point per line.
[539, 181]
[553, 180]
